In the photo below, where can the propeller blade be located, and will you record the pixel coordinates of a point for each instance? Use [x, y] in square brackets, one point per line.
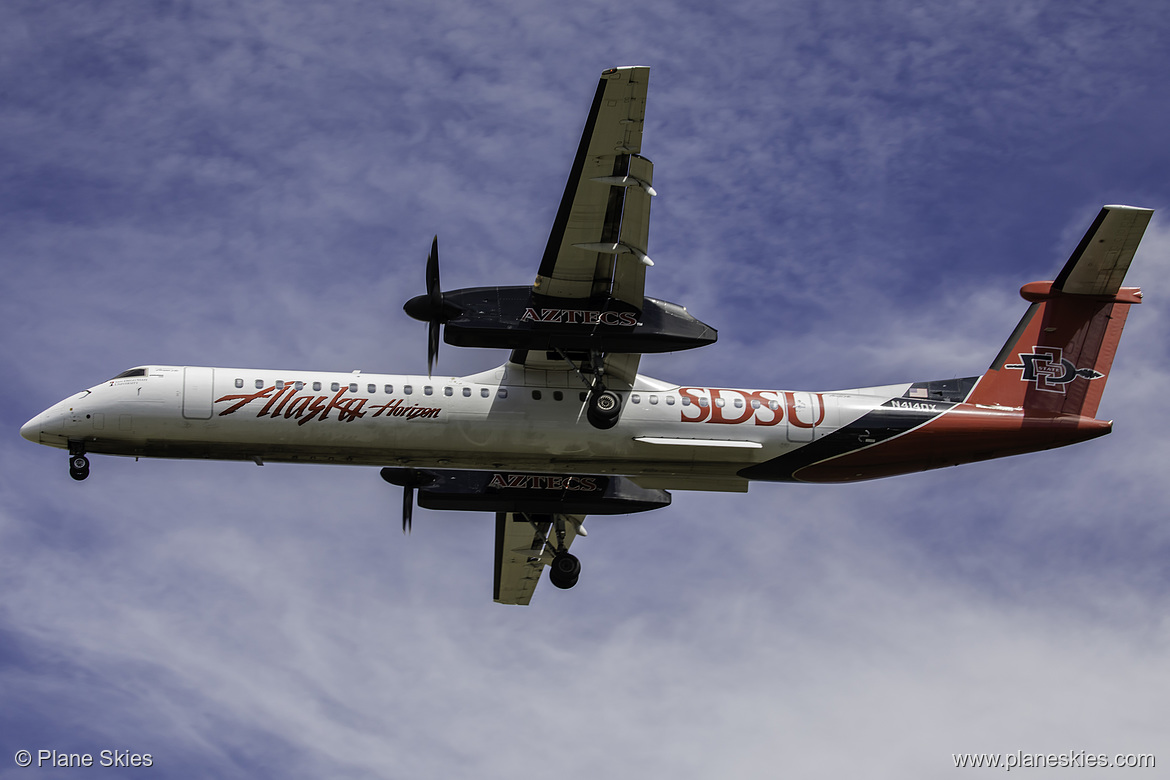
[432, 346]
[433, 289]
[435, 295]
[407, 508]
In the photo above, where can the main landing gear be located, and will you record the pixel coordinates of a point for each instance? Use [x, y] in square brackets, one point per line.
[564, 571]
[602, 407]
[565, 568]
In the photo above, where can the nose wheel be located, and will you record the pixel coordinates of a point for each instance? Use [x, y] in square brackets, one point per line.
[78, 467]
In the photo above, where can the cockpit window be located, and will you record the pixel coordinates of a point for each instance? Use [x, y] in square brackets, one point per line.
[130, 373]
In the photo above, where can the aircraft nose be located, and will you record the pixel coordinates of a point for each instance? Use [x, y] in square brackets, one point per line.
[31, 430]
[47, 422]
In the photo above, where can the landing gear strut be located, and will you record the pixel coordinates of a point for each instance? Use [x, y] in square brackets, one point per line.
[603, 407]
[565, 568]
[78, 466]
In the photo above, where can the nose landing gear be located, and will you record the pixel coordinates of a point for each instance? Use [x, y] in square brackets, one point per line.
[78, 463]
[78, 467]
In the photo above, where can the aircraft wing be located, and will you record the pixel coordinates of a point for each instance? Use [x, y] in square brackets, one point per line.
[599, 239]
[523, 549]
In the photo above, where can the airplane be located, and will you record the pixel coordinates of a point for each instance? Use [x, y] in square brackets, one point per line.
[567, 427]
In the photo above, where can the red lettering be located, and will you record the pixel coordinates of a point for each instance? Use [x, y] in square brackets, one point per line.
[319, 404]
[717, 411]
[297, 407]
[770, 404]
[694, 395]
[246, 399]
[287, 397]
[792, 417]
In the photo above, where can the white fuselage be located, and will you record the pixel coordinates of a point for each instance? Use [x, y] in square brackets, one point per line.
[667, 435]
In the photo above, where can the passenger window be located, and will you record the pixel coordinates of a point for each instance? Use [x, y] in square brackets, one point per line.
[298, 385]
[558, 395]
[502, 392]
[773, 405]
[483, 391]
[636, 398]
[259, 384]
[371, 389]
[703, 402]
[279, 384]
[535, 395]
[670, 400]
[407, 389]
[239, 383]
[755, 403]
[353, 387]
[738, 403]
[467, 392]
[583, 396]
[653, 400]
[686, 401]
[335, 387]
[317, 387]
[428, 390]
[448, 391]
[389, 389]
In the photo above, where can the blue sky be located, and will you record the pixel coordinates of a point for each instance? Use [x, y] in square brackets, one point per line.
[852, 193]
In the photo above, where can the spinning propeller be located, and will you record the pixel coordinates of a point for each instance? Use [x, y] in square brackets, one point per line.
[408, 480]
[431, 308]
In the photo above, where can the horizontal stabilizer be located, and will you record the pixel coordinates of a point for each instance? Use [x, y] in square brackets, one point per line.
[1100, 261]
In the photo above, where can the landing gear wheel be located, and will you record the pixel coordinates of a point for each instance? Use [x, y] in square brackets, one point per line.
[78, 467]
[564, 571]
[604, 409]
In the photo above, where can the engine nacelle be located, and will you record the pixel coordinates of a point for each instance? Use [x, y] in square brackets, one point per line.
[511, 491]
[517, 318]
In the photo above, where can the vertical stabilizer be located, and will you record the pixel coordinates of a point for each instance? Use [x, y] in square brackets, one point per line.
[1058, 358]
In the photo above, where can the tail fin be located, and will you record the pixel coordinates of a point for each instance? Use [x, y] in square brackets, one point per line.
[1058, 358]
